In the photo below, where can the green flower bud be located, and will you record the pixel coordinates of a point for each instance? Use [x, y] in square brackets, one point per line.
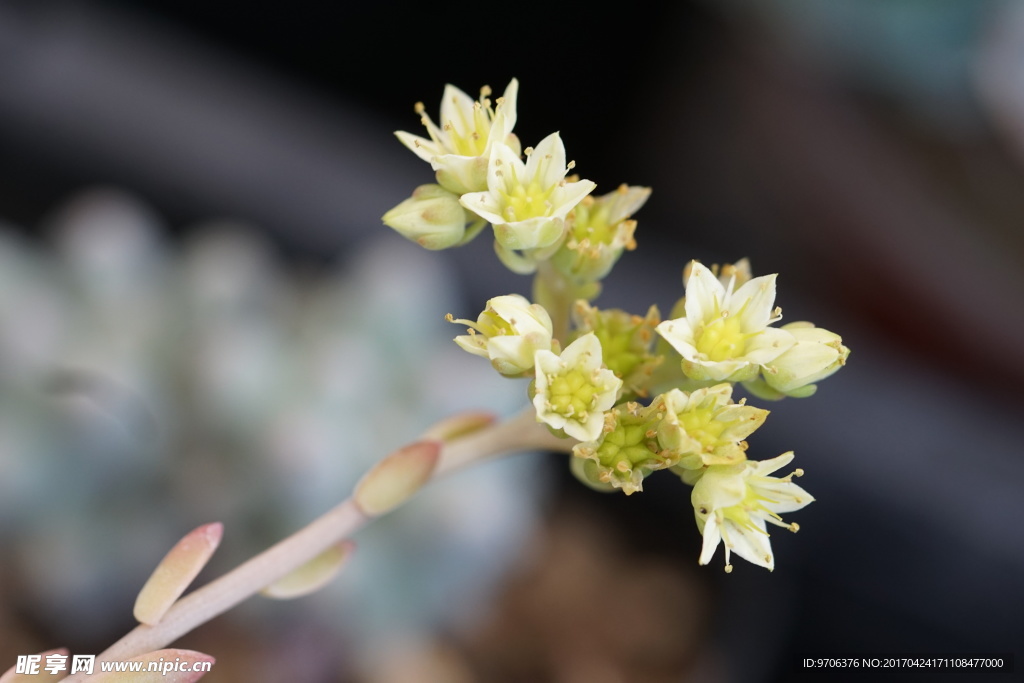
[626, 342]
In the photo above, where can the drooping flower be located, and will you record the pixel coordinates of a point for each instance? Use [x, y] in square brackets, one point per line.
[573, 390]
[725, 334]
[732, 503]
[706, 427]
[527, 202]
[460, 148]
[509, 332]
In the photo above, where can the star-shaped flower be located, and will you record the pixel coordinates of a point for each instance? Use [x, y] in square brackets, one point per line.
[460, 148]
[733, 502]
[706, 427]
[527, 202]
[725, 334]
[573, 391]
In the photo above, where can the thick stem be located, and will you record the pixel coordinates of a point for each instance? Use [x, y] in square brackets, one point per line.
[554, 293]
[516, 434]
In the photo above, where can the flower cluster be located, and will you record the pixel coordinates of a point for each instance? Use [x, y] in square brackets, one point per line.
[632, 394]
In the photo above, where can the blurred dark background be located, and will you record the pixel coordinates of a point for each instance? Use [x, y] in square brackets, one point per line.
[869, 152]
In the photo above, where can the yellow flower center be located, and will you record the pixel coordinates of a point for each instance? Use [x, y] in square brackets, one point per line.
[701, 425]
[625, 447]
[571, 394]
[530, 201]
[491, 324]
[592, 224]
[468, 137]
[722, 339]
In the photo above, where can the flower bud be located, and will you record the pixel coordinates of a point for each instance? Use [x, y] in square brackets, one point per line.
[816, 354]
[433, 218]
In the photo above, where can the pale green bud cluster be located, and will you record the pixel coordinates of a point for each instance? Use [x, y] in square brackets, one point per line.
[626, 343]
[637, 394]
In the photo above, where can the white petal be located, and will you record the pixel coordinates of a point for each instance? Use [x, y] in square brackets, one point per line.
[784, 496]
[733, 370]
[752, 545]
[586, 431]
[763, 468]
[423, 148]
[505, 113]
[457, 109]
[756, 297]
[461, 174]
[569, 195]
[483, 204]
[771, 343]
[679, 334]
[584, 352]
[624, 203]
[712, 537]
[505, 170]
[704, 293]
[533, 233]
[804, 363]
[547, 163]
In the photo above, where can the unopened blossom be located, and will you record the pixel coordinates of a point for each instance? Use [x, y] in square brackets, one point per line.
[459, 149]
[509, 332]
[816, 354]
[725, 334]
[626, 450]
[626, 342]
[732, 503]
[599, 230]
[573, 390]
[433, 218]
[527, 202]
[705, 427]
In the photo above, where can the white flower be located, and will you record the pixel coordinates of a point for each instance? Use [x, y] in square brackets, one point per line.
[573, 391]
[705, 427]
[733, 502]
[527, 202]
[725, 334]
[459, 150]
[508, 332]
